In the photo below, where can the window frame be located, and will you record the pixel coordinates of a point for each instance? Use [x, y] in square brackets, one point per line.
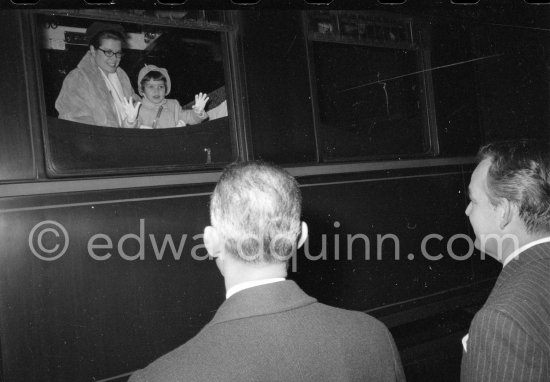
[227, 36]
[421, 38]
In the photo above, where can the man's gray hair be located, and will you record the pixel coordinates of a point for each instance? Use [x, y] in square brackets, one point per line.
[520, 173]
[256, 207]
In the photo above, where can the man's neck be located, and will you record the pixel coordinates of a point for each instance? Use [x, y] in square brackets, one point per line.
[238, 272]
[251, 284]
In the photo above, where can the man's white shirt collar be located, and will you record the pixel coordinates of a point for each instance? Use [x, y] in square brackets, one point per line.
[250, 284]
[525, 247]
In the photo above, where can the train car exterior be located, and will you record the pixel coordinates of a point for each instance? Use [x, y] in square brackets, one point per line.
[378, 113]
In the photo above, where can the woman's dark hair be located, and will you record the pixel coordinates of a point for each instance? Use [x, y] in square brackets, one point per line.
[107, 35]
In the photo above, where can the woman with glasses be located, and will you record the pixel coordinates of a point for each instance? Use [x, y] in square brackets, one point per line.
[98, 91]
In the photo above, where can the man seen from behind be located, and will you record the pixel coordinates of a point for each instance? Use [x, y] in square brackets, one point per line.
[268, 329]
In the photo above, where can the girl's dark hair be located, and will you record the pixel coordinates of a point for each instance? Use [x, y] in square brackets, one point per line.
[152, 75]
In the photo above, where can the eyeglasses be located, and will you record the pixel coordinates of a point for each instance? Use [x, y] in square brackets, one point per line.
[110, 53]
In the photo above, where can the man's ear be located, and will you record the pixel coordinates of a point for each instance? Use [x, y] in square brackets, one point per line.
[212, 241]
[303, 235]
[506, 213]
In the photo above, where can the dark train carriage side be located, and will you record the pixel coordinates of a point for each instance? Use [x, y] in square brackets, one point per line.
[378, 114]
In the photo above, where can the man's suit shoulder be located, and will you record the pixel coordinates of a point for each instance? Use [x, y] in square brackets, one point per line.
[247, 340]
[526, 289]
[365, 329]
[521, 301]
[350, 317]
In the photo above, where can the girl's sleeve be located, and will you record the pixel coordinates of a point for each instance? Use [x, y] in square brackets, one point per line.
[189, 116]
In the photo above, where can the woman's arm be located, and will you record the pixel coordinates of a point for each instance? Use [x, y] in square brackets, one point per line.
[73, 102]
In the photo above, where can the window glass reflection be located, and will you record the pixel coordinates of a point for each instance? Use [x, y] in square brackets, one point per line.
[370, 86]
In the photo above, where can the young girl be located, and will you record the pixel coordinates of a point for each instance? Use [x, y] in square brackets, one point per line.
[158, 112]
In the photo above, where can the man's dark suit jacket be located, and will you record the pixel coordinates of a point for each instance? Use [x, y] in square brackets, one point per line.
[276, 332]
[509, 338]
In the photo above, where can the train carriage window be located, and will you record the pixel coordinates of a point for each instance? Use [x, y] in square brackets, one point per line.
[189, 44]
[373, 96]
